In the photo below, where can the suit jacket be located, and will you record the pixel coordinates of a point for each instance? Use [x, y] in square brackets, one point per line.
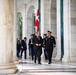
[30, 44]
[18, 46]
[24, 45]
[37, 40]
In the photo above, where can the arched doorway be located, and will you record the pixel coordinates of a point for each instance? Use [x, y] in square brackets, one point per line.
[54, 22]
[30, 21]
[19, 25]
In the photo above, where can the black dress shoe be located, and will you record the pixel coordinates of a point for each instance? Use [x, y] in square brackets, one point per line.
[34, 61]
[39, 63]
[25, 58]
[49, 62]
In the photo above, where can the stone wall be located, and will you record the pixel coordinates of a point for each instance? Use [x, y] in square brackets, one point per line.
[30, 7]
[26, 12]
[73, 29]
[47, 24]
[27, 19]
[48, 18]
[54, 18]
[30, 20]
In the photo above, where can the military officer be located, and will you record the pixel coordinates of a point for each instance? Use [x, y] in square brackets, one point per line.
[50, 44]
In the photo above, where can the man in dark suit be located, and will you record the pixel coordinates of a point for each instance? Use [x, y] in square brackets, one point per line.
[24, 47]
[31, 49]
[37, 40]
[18, 48]
[50, 44]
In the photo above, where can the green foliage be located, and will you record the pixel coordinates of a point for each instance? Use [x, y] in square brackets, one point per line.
[20, 22]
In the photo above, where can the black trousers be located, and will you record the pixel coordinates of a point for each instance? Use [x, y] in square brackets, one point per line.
[32, 53]
[23, 50]
[18, 51]
[45, 54]
[37, 55]
[50, 52]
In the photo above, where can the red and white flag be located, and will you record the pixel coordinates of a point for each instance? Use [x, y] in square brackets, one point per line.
[37, 21]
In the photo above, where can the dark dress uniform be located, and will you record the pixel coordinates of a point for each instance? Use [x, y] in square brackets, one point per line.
[50, 42]
[37, 49]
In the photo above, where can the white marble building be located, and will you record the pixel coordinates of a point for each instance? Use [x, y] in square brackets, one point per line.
[56, 15]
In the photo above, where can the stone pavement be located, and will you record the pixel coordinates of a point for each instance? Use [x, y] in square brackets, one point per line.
[28, 67]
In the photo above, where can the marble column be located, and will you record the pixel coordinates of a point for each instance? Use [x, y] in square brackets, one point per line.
[24, 20]
[15, 33]
[45, 18]
[73, 30]
[6, 39]
[67, 31]
[46, 15]
[58, 32]
[42, 17]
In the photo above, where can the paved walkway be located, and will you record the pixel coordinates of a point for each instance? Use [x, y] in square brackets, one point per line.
[28, 67]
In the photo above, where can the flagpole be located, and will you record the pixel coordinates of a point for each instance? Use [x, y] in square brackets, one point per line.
[39, 8]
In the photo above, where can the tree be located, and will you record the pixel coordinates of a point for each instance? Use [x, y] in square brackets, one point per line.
[20, 22]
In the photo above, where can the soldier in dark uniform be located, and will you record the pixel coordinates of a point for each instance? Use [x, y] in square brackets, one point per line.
[37, 41]
[50, 44]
